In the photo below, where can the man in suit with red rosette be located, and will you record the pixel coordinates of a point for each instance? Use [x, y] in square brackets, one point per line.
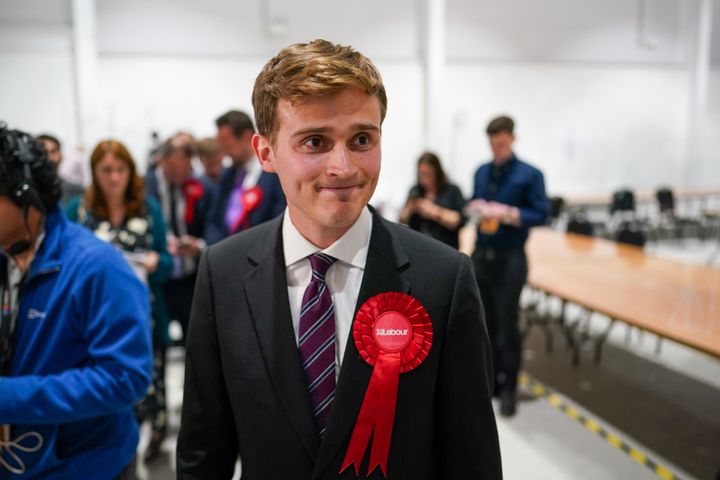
[329, 343]
[247, 196]
[185, 202]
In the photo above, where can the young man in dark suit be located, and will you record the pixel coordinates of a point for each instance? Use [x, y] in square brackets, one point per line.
[274, 373]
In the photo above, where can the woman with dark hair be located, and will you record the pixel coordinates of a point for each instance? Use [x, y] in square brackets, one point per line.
[115, 209]
[434, 205]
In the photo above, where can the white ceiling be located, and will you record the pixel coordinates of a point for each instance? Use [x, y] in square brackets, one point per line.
[622, 31]
[253, 29]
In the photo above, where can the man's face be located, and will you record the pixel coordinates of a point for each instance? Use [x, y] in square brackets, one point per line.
[237, 148]
[327, 155]
[213, 164]
[501, 145]
[53, 151]
[177, 167]
[12, 223]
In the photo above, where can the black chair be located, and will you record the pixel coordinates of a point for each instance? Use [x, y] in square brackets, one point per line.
[666, 200]
[580, 225]
[630, 233]
[670, 220]
[623, 211]
[622, 201]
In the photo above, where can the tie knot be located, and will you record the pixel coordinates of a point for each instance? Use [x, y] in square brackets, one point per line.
[320, 264]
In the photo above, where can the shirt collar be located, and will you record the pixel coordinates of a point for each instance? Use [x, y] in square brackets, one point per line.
[351, 248]
[14, 270]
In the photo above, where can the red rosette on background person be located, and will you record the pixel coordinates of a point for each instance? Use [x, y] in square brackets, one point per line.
[193, 190]
[250, 199]
[393, 333]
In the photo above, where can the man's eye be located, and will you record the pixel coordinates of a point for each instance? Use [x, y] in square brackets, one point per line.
[363, 140]
[313, 142]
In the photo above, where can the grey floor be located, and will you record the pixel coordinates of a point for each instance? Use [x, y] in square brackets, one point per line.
[540, 442]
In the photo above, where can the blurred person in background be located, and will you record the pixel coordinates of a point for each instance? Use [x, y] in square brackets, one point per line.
[211, 157]
[434, 205]
[53, 147]
[508, 198]
[248, 196]
[185, 202]
[116, 210]
[75, 349]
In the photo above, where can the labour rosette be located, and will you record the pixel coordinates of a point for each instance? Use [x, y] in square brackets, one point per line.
[250, 200]
[393, 333]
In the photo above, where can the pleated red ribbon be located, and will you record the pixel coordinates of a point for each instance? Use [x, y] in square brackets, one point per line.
[393, 333]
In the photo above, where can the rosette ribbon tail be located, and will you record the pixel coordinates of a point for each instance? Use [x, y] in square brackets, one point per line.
[376, 417]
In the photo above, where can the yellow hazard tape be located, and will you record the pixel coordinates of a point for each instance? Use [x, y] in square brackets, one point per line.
[664, 473]
[592, 426]
[559, 403]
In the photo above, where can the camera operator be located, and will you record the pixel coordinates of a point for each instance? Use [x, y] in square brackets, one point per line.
[75, 351]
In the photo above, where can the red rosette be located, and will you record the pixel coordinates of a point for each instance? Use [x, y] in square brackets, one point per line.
[193, 190]
[393, 333]
[250, 200]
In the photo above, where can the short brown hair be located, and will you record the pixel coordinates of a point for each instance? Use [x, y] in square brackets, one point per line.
[501, 124]
[239, 122]
[314, 69]
[207, 146]
[50, 138]
[94, 197]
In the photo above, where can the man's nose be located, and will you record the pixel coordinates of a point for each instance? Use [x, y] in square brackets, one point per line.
[340, 162]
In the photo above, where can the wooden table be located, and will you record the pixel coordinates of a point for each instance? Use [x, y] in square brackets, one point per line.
[671, 299]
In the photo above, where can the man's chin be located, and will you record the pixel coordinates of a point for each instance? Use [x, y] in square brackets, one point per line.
[343, 216]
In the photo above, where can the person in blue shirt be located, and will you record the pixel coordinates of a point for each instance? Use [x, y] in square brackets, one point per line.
[508, 198]
[75, 346]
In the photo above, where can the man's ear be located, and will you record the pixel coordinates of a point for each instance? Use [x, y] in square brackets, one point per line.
[264, 152]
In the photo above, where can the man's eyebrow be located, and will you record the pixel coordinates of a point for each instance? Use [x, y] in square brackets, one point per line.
[356, 128]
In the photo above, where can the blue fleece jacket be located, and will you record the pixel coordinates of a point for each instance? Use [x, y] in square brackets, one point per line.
[82, 359]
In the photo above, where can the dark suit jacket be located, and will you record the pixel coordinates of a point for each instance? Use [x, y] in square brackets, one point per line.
[272, 204]
[245, 391]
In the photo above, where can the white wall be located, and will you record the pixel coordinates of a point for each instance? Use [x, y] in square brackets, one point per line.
[37, 82]
[600, 90]
[615, 31]
[254, 29]
[702, 167]
[589, 128]
[167, 94]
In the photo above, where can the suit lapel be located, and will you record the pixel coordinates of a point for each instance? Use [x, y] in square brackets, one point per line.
[382, 274]
[267, 297]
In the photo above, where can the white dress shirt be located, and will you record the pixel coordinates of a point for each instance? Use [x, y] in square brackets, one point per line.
[343, 279]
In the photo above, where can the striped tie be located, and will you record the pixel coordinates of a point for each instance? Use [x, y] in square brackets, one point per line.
[317, 340]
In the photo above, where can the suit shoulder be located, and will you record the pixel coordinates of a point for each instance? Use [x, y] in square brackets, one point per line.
[269, 179]
[424, 248]
[244, 242]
